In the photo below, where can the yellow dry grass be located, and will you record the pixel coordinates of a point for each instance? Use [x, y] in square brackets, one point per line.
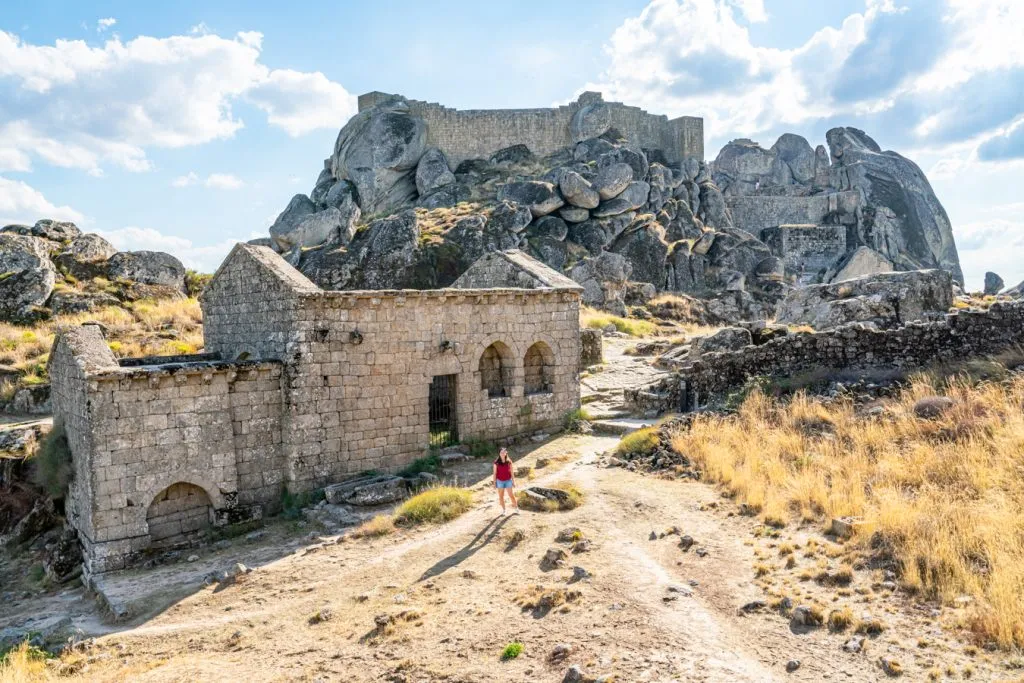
[24, 665]
[945, 497]
[136, 329]
[598, 320]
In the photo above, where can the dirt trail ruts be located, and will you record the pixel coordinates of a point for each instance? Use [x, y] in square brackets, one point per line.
[453, 592]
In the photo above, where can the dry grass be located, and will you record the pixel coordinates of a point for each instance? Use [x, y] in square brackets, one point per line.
[142, 328]
[434, 506]
[574, 498]
[641, 442]
[944, 498]
[24, 664]
[598, 320]
[381, 525]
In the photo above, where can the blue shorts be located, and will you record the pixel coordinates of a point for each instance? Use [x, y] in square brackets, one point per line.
[507, 484]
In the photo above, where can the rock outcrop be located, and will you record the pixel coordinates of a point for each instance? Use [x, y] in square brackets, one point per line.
[887, 300]
[27, 276]
[902, 218]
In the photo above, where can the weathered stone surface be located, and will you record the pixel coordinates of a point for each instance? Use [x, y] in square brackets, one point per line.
[577, 191]
[793, 162]
[65, 302]
[511, 155]
[713, 211]
[324, 182]
[378, 150]
[612, 179]
[726, 339]
[625, 154]
[630, 199]
[367, 491]
[993, 283]
[740, 165]
[47, 228]
[510, 217]
[572, 214]
[643, 246]
[603, 279]
[147, 267]
[549, 226]
[591, 342]
[432, 171]
[590, 121]
[552, 252]
[88, 248]
[446, 195]
[904, 220]
[27, 275]
[886, 299]
[298, 209]
[541, 198]
[863, 261]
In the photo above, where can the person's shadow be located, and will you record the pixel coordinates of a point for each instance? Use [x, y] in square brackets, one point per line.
[485, 536]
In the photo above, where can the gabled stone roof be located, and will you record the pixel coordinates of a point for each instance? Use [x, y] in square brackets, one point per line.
[546, 275]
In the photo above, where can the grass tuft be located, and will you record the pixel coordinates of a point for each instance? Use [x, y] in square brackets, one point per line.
[434, 506]
[597, 320]
[639, 443]
[381, 525]
[511, 651]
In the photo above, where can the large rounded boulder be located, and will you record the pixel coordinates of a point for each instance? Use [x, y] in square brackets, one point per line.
[148, 268]
[378, 150]
[542, 198]
[27, 276]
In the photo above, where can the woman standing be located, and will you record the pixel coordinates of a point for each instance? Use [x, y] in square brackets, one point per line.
[505, 479]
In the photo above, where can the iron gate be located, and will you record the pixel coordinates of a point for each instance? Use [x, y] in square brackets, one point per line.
[442, 411]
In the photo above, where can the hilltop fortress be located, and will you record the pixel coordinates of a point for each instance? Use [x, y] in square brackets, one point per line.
[475, 133]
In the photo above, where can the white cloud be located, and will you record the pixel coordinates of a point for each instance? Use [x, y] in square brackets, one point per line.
[301, 102]
[103, 24]
[21, 203]
[200, 29]
[189, 178]
[205, 259]
[753, 10]
[223, 181]
[77, 105]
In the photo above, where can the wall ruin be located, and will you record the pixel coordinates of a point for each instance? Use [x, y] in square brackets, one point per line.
[478, 133]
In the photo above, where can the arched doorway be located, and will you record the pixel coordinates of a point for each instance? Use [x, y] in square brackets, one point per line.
[496, 370]
[179, 514]
[538, 369]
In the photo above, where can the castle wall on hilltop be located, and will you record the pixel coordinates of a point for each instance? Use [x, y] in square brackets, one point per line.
[478, 133]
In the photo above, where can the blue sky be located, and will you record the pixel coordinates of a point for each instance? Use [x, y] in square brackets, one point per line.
[187, 126]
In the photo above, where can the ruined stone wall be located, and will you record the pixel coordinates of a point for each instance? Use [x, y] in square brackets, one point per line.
[359, 396]
[754, 213]
[807, 251]
[478, 133]
[959, 336]
[213, 425]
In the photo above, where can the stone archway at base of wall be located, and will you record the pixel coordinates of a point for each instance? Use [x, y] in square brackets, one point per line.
[178, 514]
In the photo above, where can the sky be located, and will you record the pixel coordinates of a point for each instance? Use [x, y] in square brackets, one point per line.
[187, 126]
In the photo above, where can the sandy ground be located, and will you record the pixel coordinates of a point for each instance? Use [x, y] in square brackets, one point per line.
[649, 610]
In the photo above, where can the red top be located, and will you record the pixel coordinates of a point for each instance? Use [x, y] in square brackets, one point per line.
[504, 470]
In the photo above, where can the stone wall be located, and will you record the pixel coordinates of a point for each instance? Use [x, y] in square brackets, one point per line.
[754, 213]
[478, 133]
[323, 385]
[960, 336]
[808, 251]
[213, 425]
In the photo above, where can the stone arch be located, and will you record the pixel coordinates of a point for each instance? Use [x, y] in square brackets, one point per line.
[538, 369]
[496, 367]
[178, 514]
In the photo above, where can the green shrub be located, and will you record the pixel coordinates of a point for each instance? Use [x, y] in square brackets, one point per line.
[53, 468]
[434, 506]
[196, 282]
[640, 442]
[512, 650]
[479, 448]
[573, 418]
[429, 463]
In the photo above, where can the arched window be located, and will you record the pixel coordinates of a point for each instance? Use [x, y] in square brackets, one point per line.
[496, 370]
[178, 514]
[538, 366]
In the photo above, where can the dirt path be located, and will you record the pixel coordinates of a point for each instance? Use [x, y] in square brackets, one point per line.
[453, 591]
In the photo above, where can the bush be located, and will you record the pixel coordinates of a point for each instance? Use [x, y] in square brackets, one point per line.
[196, 282]
[53, 467]
[573, 418]
[479, 448]
[641, 442]
[434, 506]
[430, 463]
[512, 650]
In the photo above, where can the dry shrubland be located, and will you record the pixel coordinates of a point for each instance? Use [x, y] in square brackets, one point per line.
[142, 328]
[943, 498]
